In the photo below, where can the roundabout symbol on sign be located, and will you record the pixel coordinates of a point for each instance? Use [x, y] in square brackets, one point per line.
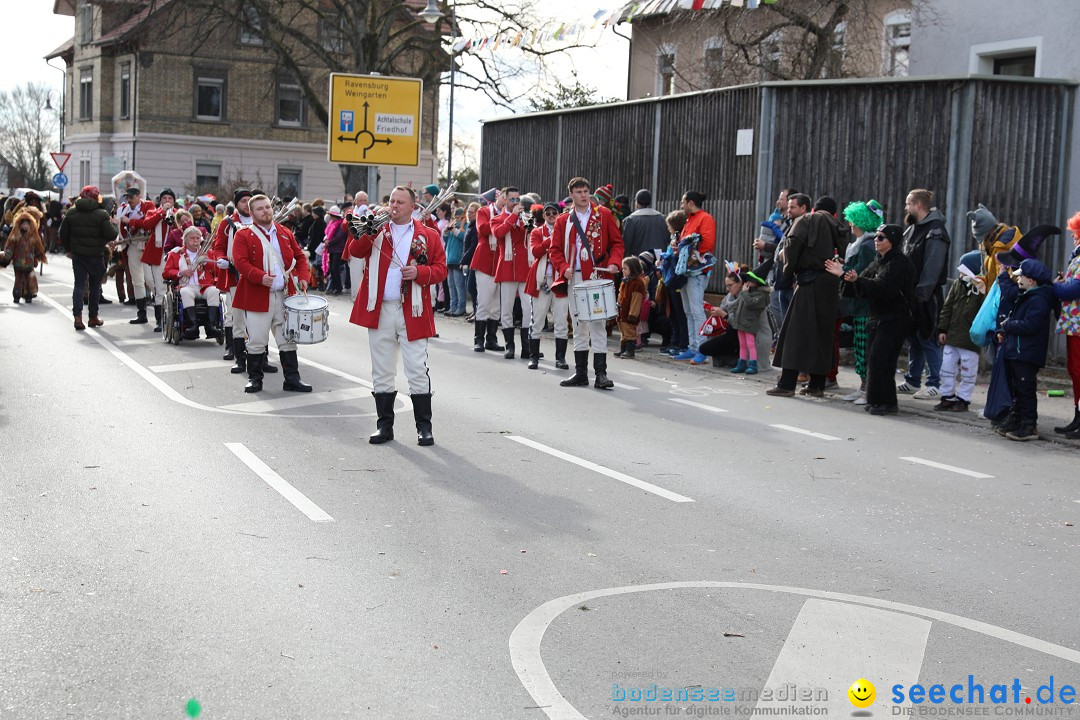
[60, 180]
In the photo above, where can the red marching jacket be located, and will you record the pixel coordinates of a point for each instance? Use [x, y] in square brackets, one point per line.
[606, 243]
[515, 270]
[250, 293]
[483, 259]
[205, 276]
[433, 273]
[540, 244]
[154, 223]
[226, 277]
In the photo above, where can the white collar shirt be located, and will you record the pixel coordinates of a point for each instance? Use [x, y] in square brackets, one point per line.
[402, 236]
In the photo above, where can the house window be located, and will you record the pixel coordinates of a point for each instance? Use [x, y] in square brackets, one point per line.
[207, 175]
[1018, 66]
[86, 22]
[332, 34]
[210, 97]
[290, 104]
[125, 90]
[251, 27]
[665, 73]
[714, 63]
[84, 173]
[86, 94]
[897, 43]
[288, 183]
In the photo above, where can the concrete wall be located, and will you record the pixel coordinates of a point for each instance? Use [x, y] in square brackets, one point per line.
[956, 37]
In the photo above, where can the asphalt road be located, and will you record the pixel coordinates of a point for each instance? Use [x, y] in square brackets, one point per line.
[164, 536]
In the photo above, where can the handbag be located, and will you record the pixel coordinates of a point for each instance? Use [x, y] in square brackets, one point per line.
[985, 322]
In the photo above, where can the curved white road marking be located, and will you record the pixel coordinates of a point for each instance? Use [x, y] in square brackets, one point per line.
[529, 665]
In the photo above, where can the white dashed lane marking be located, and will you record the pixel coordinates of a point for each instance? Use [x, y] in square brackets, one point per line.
[702, 406]
[949, 468]
[819, 436]
[297, 498]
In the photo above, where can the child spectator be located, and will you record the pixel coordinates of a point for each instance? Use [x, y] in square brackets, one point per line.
[751, 294]
[1025, 334]
[632, 294]
[953, 328]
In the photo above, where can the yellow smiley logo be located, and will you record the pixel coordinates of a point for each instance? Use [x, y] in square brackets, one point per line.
[861, 693]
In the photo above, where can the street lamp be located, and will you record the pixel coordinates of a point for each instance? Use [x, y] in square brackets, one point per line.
[432, 14]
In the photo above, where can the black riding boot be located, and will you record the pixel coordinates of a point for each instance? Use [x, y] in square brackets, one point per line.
[580, 378]
[534, 352]
[479, 328]
[384, 407]
[421, 407]
[525, 347]
[599, 363]
[1071, 427]
[508, 340]
[157, 318]
[560, 354]
[255, 374]
[140, 318]
[191, 323]
[492, 338]
[622, 350]
[213, 323]
[267, 367]
[239, 351]
[229, 353]
[290, 366]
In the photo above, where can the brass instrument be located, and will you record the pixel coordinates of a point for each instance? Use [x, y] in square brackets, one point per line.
[439, 200]
[283, 210]
[373, 223]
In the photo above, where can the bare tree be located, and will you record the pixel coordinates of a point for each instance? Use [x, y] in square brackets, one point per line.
[27, 131]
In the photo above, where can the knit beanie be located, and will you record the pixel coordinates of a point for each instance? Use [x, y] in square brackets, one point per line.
[605, 193]
[982, 221]
[826, 204]
[643, 198]
[90, 192]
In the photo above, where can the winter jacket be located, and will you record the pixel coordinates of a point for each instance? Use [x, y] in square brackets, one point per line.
[813, 239]
[1027, 329]
[336, 234]
[926, 243]
[471, 236]
[643, 230]
[632, 294]
[1068, 293]
[454, 242]
[959, 311]
[749, 307]
[316, 234]
[889, 285]
[860, 254]
[87, 229]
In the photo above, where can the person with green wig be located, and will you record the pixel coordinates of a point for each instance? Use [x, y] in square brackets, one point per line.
[864, 219]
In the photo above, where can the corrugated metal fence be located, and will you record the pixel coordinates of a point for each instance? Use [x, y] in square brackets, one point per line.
[999, 141]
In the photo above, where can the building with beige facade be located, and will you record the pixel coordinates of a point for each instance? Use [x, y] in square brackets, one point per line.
[199, 109]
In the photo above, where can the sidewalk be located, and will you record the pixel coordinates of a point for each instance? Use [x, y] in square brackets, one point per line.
[1052, 410]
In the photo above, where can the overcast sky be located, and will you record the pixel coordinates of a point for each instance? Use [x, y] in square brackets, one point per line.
[603, 67]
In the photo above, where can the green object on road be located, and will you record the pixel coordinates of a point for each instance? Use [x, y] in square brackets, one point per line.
[193, 708]
[1055, 393]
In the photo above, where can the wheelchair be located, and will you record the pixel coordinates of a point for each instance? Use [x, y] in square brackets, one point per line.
[175, 323]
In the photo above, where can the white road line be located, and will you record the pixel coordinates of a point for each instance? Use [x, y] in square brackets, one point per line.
[277, 482]
[200, 365]
[833, 641]
[614, 474]
[142, 341]
[691, 403]
[820, 436]
[552, 368]
[332, 371]
[529, 664]
[950, 468]
[647, 377]
[296, 401]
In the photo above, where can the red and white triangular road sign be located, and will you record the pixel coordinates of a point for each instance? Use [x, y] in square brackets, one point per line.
[61, 160]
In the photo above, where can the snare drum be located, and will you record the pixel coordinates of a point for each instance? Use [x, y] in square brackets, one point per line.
[595, 300]
[307, 319]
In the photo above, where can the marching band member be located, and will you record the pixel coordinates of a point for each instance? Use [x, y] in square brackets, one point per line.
[539, 286]
[271, 266]
[130, 215]
[222, 253]
[196, 279]
[406, 258]
[576, 259]
[157, 222]
[486, 320]
[512, 269]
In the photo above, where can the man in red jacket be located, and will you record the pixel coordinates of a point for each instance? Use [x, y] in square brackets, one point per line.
[511, 269]
[575, 258]
[130, 218]
[222, 252]
[271, 267]
[538, 285]
[483, 263]
[157, 222]
[406, 260]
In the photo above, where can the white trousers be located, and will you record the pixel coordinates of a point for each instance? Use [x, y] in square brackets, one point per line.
[956, 360]
[189, 293]
[487, 297]
[356, 272]
[588, 334]
[234, 318]
[559, 307]
[261, 324]
[507, 292]
[134, 261]
[386, 341]
[155, 285]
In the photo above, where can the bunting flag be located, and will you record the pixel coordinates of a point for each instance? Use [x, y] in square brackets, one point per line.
[596, 17]
[736, 3]
[698, 4]
[633, 11]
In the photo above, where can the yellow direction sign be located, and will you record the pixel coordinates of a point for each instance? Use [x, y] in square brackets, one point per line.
[374, 120]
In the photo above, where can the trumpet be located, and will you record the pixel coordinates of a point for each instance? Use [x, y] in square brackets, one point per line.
[282, 210]
[368, 224]
[439, 200]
